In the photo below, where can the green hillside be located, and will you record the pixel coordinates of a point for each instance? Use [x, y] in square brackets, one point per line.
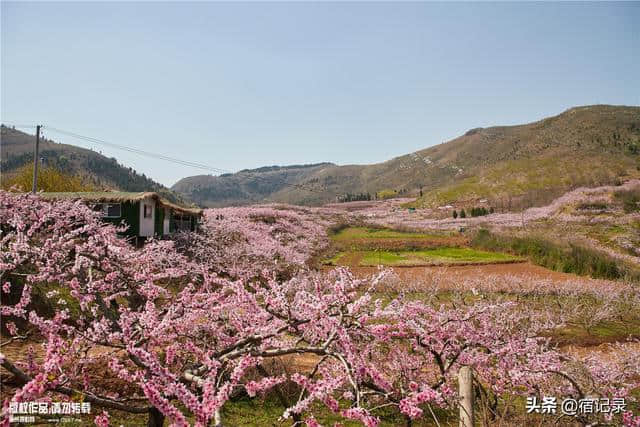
[517, 165]
[582, 146]
[16, 150]
[250, 185]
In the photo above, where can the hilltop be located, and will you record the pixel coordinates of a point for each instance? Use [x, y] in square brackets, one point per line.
[16, 148]
[252, 185]
[536, 162]
[521, 165]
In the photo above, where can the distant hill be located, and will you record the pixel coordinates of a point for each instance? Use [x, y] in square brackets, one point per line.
[250, 185]
[16, 149]
[525, 164]
[583, 146]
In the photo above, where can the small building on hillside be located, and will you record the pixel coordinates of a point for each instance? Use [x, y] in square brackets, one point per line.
[147, 214]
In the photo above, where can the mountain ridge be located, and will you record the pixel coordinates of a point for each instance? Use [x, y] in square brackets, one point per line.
[16, 149]
[584, 145]
[526, 165]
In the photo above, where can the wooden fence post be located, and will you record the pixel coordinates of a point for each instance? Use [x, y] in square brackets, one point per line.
[465, 384]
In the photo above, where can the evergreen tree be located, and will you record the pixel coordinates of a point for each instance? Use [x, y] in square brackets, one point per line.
[463, 214]
[455, 214]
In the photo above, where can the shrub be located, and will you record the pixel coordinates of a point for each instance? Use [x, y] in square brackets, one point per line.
[481, 211]
[338, 227]
[349, 197]
[572, 259]
[597, 206]
[49, 179]
[630, 199]
[587, 260]
[386, 194]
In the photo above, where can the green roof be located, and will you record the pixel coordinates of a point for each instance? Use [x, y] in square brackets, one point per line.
[119, 197]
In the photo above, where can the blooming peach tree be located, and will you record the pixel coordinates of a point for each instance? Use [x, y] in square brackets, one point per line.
[176, 334]
[242, 242]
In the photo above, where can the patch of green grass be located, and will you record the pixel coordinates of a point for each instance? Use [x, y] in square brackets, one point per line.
[351, 233]
[468, 254]
[334, 260]
[616, 229]
[383, 258]
[266, 411]
[435, 256]
[250, 412]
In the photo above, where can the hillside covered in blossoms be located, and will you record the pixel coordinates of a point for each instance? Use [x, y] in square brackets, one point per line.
[188, 330]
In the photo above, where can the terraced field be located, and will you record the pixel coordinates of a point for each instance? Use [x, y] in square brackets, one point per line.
[362, 247]
[426, 257]
[368, 233]
[367, 238]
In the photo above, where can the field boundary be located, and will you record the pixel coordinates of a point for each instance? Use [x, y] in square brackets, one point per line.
[449, 264]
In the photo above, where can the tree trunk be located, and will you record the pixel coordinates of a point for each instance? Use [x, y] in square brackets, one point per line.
[156, 418]
[217, 418]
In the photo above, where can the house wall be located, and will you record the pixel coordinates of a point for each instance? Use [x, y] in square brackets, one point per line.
[158, 221]
[172, 223]
[147, 224]
[130, 215]
[166, 222]
[161, 223]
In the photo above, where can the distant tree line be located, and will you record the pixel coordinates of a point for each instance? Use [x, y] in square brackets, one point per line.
[278, 168]
[349, 197]
[481, 211]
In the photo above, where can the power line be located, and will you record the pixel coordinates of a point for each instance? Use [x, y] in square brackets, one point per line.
[11, 125]
[137, 151]
[168, 158]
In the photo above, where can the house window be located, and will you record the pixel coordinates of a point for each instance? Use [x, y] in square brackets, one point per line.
[109, 210]
[148, 211]
[112, 210]
[182, 222]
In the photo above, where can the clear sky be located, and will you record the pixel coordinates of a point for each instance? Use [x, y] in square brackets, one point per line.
[243, 85]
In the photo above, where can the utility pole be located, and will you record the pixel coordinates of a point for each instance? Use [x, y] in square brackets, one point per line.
[36, 150]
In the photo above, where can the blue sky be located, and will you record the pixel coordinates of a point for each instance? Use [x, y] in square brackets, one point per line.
[243, 85]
